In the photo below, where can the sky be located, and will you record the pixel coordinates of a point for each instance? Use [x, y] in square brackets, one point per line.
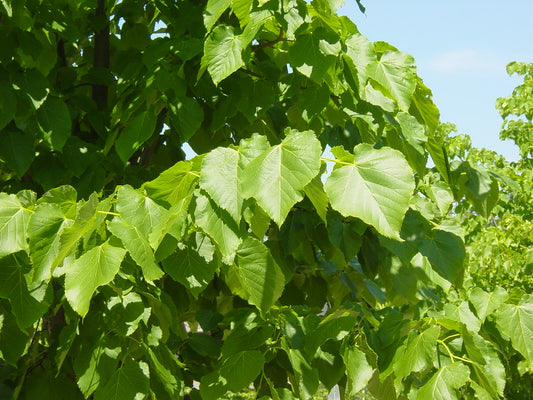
[461, 49]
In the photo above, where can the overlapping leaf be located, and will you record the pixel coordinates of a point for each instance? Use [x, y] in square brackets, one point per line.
[277, 177]
[376, 188]
[95, 268]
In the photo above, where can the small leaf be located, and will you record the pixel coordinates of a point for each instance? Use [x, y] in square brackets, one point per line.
[376, 188]
[277, 177]
[307, 381]
[94, 268]
[186, 116]
[138, 130]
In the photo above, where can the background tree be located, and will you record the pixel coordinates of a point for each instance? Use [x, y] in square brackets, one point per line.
[148, 275]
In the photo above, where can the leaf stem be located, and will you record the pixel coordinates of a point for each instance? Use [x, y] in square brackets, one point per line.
[108, 213]
[453, 357]
[335, 161]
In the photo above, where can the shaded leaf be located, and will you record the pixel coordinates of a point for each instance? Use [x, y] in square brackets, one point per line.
[95, 268]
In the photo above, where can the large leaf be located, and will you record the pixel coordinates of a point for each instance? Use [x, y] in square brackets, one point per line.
[307, 381]
[260, 277]
[277, 177]
[396, 72]
[138, 246]
[376, 188]
[446, 253]
[242, 368]
[213, 11]
[55, 122]
[186, 116]
[13, 223]
[516, 321]
[190, 269]
[95, 268]
[131, 381]
[358, 370]
[443, 384]
[220, 178]
[222, 53]
[27, 303]
[44, 230]
[313, 55]
[417, 353]
[217, 223]
[16, 150]
[138, 210]
[174, 184]
[138, 130]
[8, 103]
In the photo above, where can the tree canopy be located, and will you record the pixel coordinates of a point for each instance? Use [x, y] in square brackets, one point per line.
[130, 272]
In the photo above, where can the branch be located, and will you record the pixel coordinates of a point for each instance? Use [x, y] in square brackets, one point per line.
[247, 71]
[271, 43]
[101, 53]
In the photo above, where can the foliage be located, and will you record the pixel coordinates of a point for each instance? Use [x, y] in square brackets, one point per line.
[128, 272]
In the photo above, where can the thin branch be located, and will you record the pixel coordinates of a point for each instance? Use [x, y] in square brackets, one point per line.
[271, 43]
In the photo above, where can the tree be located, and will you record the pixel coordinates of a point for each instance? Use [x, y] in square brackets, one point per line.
[128, 272]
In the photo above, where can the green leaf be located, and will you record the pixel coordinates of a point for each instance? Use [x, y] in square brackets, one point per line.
[241, 369]
[94, 268]
[444, 383]
[55, 122]
[83, 223]
[358, 370]
[335, 326]
[27, 303]
[417, 353]
[174, 184]
[313, 55]
[220, 178]
[487, 303]
[16, 150]
[131, 381]
[186, 116]
[222, 53]
[217, 223]
[376, 188]
[315, 191]
[516, 321]
[13, 223]
[138, 246]
[190, 269]
[307, 381]
[213, 10]
[13, 339]
[34, 85]
[446, 253]
[138, 210]
[396, 72]
[166, 368]
[261, 279]
[277, 177]
[44, 230]
[8, 103]
[138, 130]
[423, 107]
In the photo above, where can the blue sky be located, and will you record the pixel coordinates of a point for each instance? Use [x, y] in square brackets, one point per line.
[461, 49]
